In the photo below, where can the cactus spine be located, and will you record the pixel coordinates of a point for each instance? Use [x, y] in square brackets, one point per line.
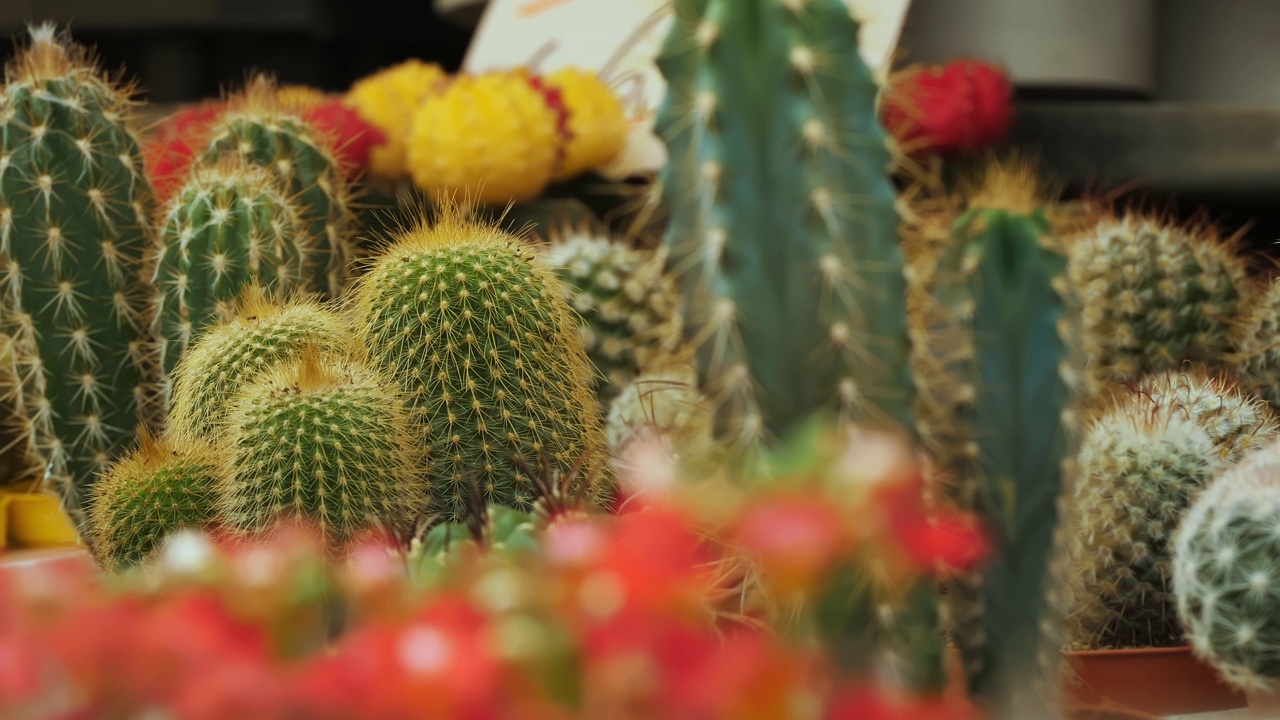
[74, 209]
[782, 222]
[480, 335]
[260, 128]
[260, 334]
[1225, 578]
[326, 439]
[229, 226]
[162, 486]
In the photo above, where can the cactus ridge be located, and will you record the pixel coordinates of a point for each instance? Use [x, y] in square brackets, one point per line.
[74, 225]
[324, 438]
[479, 332]
[228, 226]
[261, 333]
[783, 230]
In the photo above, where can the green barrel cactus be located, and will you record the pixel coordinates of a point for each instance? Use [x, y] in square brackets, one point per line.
[327, 440]
[628, 303]
[479, 333]
[1224, 575]
[782, 231]
[163, 486]
[228, 226]
[260, 334]
[260, 128]
[1153, 296]
[75, 205]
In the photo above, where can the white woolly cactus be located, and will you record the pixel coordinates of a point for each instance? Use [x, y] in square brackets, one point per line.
[1226, 572]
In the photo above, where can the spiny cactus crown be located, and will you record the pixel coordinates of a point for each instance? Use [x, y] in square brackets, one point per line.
[1255, 359]
[1236, 422]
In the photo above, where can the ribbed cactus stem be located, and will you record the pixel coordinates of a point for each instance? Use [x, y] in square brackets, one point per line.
[74, 209]
[782, 227]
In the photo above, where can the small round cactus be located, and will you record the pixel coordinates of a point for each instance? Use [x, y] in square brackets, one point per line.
[162, 486]
[260, 334]
[324, 439]
[480, 335]
[629, 305]
[1237, 423]
[1225, 573]
[1255, 359]
[664, 398]
[1153, 296]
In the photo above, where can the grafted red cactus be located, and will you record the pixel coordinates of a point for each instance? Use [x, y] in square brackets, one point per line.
[959, 107]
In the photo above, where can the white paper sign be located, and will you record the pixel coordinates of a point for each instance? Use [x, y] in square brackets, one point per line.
[619, 39]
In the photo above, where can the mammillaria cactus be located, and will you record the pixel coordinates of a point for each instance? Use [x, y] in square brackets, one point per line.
[325, 439]
[1154, 295]
[265, 131]
[795, 298]
[74, 224]
[260, 334]
[627, 301]
[228, 226]
[1255, 359]
[1236, 421]
[1225, 576]
[479, 333]
[388, 99]
[1140, 465]
[162, 486]
[664, 398]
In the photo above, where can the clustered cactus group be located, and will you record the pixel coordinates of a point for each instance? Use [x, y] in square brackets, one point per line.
[1098, 388]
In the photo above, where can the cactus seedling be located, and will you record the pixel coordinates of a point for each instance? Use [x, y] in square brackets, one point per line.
[260, 334]
[782, 231]
[325, 439]
[74, 224]
[164, 485]
[229, 226]
[478, 331]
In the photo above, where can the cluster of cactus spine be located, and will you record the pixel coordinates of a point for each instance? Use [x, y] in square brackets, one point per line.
[1255, 353]
[327, 438]
[1154, 295]
[782, 227]
[1142, 462]
[74, 226]
[1224, 574]
[478, 331]
[628, 303]
[230, 225]
[260, 128]
[162, 486]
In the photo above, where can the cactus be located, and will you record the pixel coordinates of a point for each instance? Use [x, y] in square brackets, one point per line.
[162, 486]
[260, 128]
[74, 210]
[1154, 295]
[388, 99]
[1145, 458]
[480, 335]
[595, 123]
[260, 334]
[664, 398]
[1255, 354]
[782, 227]
[1224, 573]
[229, 226]
[627, 302]
[326, 439]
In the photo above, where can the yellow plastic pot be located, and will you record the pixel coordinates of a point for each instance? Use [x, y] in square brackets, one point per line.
[32, 519]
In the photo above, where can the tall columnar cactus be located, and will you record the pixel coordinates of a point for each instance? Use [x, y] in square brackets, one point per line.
[160, 487]
[479, 333]
[628, 303]
[324, 439]
[1154, 295]
[1255, 357]
[782, 222]
[74, 209]
[1001, 429]
[259, 127]
[260, 334]
[230, 225]
[1141, 463]
[1225, 577]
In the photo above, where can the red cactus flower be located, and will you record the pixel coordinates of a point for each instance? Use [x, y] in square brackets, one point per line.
[794, 538]
[954, 108]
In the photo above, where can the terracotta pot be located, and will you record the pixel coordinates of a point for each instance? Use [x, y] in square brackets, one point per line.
[1264, 703]
[1156, 681]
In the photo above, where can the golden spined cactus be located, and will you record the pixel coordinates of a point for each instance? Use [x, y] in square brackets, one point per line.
[389, 99]
[325, 439]
[261, 333]
[1155, 294]
[479, 333]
